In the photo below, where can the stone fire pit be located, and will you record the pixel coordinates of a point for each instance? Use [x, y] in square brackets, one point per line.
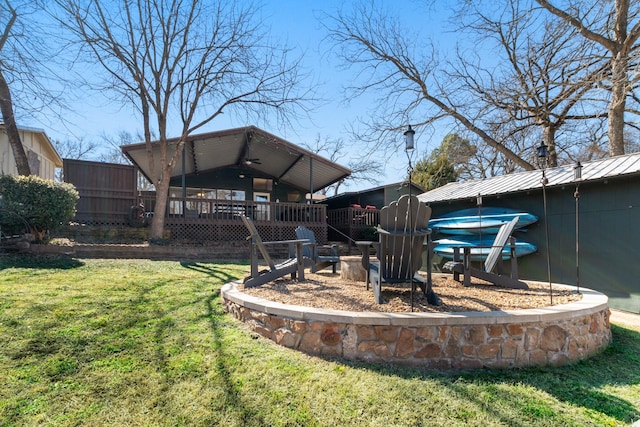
[555, 335]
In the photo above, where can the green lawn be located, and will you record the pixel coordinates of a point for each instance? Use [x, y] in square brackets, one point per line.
[134, 342]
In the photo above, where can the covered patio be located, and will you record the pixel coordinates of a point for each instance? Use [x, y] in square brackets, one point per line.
[241, 171]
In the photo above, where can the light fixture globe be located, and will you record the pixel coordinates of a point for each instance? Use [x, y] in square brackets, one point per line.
[577, 172]
[543, 151]
[408, 139]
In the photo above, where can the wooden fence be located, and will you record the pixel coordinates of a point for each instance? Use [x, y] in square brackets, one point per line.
[107, 191]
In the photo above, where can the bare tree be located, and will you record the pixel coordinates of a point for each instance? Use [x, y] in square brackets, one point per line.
[402, 69]
[184, 62]
[6, 103]
[548, 76]
[363, 169]
[75, 149]
[33, 87]
[540, 80]
[616, 27]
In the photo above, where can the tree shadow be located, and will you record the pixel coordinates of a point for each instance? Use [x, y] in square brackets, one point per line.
[582, 384]
[232, 390]
[209, 269]
[56, 262]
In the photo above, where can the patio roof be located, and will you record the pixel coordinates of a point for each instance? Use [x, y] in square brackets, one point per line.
[249, 149]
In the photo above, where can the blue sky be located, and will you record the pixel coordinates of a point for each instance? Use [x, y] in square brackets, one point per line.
[295, 21]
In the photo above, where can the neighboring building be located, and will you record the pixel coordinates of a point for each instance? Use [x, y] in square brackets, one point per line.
[608, 212]
[353, 215]
[377, 197]
[41, 154]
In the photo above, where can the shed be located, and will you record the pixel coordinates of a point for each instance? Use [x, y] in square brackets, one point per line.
[352, 216]
[607, 209]
[377, 196]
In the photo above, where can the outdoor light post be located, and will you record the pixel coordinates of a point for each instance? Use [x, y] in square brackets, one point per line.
[543, 160]
[577, 177]
[479, 203]
[408, 148]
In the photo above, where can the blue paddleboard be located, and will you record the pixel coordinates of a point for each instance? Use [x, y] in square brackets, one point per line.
[444, 247]
[475, 221]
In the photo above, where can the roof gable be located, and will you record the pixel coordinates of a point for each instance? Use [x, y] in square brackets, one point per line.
[249, 148]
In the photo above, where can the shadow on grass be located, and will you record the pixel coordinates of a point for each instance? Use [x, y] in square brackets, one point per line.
[582, 384]
[209, 269]
[57, 262]
[232, 391]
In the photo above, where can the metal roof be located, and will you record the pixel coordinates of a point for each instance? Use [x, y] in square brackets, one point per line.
[524, 181]
[378, 188]
[248, 148]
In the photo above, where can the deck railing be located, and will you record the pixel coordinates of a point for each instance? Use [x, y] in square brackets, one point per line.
[353, 222]
[197, 219]
[209, 210]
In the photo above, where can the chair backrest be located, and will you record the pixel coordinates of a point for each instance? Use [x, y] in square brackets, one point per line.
[309, 251]
[400, 253]
[256, 240]
[498, 244]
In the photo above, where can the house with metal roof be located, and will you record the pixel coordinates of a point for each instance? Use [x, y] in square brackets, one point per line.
[601, 253]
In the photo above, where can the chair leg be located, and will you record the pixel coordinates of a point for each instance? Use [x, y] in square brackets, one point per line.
[377, 291]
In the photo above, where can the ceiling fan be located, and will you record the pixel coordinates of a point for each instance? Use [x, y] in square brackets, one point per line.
[250, 160]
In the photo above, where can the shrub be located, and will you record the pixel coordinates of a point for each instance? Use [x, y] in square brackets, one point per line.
[370, 233]
[35, 205]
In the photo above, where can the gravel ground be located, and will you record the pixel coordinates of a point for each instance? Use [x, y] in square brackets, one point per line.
[329, 291]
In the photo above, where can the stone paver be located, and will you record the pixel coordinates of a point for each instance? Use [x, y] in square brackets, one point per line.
[625, 318]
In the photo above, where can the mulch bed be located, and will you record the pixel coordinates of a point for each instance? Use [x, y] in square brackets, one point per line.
[329, 291]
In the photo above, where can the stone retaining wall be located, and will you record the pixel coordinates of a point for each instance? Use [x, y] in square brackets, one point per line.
[218, 251]
[553, 336]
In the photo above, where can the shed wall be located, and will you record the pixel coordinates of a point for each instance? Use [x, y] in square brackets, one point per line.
[608, 235]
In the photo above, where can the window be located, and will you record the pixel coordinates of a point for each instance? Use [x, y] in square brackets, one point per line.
[203, 207]
[262, 184]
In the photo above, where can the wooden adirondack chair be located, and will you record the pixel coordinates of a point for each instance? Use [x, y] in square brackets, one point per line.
[494, 261]
[310, 250]
[402, 233]
[294, 265]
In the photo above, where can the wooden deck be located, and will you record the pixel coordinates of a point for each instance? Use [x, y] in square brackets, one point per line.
[196, 219]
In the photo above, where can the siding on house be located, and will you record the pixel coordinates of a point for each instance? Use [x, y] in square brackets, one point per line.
[42, 156]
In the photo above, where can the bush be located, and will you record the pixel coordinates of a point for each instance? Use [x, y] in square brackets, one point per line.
[30, 204]
[370, 233]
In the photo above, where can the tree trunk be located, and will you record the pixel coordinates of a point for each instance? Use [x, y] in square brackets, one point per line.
[549, 137]
[617, 104]
[162, 195]
[6, 107]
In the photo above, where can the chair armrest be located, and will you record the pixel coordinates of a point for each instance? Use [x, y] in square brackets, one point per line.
[285, 242]
[406, 233]
[334, 250]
